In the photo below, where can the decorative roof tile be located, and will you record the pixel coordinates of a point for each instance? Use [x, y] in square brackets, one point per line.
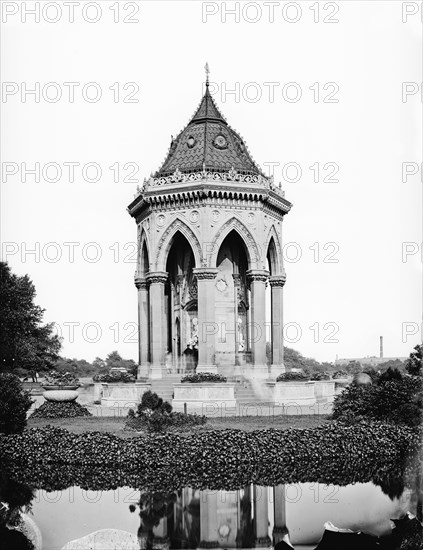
[208, 142]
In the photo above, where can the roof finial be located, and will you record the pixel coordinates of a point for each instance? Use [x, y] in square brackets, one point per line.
[206, 68]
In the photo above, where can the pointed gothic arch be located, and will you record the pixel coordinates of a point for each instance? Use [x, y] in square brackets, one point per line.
[251, 247]
[143, 254]
[166, 241]
[274, 252]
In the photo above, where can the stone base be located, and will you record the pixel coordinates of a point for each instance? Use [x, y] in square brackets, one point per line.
[157, 372]
[123, 395]
[293, 394]
[324, 390]
[143, 371]
[207, 398]
[259, 371]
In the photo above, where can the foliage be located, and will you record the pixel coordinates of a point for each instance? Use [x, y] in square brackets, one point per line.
[320, 376]
[150, 401]
[53, 378]
[203, 377]
[114, 376]
[14, 404]
[292, 377]
[24, 341]
[60, 409]
[332, 453]
[339, 374]
[114, 360]
[78, 367]
[396, 401]
[14, 539]
[389, 374]
[156, 415]
[414, 362]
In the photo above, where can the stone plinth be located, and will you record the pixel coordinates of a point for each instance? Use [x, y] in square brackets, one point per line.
[293, 393]
[206, 398]
[123, 395]
[324, 390]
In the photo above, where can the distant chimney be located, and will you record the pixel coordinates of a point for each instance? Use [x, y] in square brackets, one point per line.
[381, 347]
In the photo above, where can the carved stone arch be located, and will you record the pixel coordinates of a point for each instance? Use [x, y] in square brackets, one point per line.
[143, 265]
[166, 239]
[252, 248]
[276, 259]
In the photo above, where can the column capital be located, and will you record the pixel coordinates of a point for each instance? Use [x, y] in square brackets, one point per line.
[258, 275]
[237, 279]
[141, 283]
[277, 281]
[205, 273]
[157, 277]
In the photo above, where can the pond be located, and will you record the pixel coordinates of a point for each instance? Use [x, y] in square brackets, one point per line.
[251, 517]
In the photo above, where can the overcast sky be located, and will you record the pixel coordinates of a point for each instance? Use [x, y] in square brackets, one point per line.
[337, 71]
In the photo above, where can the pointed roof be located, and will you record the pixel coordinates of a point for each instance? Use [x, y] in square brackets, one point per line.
[208, 142]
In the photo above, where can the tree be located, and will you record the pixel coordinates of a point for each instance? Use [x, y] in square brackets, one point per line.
[25, 343]
[414, 362]
[114, 360]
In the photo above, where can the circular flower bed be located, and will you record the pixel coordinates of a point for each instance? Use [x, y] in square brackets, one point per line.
[60, 381]
[57, 409]
[293, 377]
[203, 377]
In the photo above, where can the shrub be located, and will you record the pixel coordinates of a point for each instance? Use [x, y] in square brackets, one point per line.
[150, 401]
[14, 404]
[389, 374]
[292, 376]
[115, 376]
[203, 377]
[331, 453]
[156, 415]
[339, 374]
[57, 409]
[396, 401]
[320, 376]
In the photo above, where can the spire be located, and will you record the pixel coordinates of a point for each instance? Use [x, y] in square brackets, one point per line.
[206, 68]
[208, 142]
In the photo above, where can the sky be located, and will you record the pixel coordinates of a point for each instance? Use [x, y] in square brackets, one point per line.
[330, 85]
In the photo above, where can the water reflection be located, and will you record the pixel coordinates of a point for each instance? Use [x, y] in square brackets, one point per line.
[250, 517]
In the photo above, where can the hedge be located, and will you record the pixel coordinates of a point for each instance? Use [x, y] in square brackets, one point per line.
[230, 459]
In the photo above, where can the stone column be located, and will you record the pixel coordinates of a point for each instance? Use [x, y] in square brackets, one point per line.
[258, 280]
[207, 328]
[157, 280]
[277, 283]
[143, 328]
[237, 284]
[279, 528]
[261, 517]
[208, 519]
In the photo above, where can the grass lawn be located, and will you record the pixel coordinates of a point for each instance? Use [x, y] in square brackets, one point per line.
[116, 425]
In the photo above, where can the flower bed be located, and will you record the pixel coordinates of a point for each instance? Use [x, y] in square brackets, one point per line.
[116, 376]
[333, 454]
[200, 377]
[292, 377]
[60, 409]
[57, 380]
